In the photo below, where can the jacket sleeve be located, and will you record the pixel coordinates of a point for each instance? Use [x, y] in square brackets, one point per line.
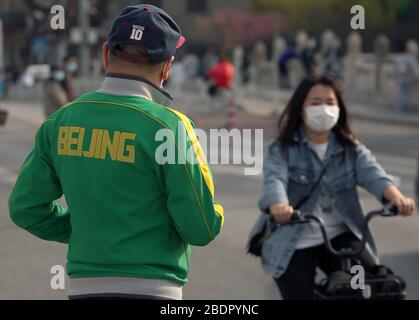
[370, 175]
[31, 204]
[275, 178]
[190, 189]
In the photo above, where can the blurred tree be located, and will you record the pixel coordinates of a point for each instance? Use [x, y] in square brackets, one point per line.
[227, 27]
[384, 13]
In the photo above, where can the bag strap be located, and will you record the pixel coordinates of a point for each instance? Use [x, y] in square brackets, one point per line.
[310, 192]
[272, 225]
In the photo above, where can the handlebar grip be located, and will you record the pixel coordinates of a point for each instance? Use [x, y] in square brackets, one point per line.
[296, 216]
[391, 212]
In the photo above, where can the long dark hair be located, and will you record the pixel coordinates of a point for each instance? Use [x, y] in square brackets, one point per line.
[291, 118]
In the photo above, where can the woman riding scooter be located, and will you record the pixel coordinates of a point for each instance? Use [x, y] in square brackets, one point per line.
[316, 146]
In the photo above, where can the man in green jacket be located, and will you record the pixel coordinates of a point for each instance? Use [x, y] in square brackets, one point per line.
[132, 214]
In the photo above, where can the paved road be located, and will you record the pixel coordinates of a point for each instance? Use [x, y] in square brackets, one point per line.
[221, 270]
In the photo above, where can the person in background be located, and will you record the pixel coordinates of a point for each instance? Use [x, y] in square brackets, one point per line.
[190, 64]
[222, 75]
[54, 95]
[332, 54]
[289, 54]
[407, 73]
[71, 69]
[209, 60]
[308, 56]
[178, 77]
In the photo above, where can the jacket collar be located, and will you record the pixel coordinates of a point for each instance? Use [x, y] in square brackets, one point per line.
[125, 85]
[334, 147]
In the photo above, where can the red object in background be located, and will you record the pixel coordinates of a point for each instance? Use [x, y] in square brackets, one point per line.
[222, 74]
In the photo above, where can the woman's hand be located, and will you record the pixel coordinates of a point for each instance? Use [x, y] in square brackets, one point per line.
[281, 212]
[405, 206]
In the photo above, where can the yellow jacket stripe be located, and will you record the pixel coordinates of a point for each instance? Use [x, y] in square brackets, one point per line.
[199, 153]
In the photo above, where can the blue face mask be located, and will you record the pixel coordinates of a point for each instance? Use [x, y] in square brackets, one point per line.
[72, 67]
[59, 75]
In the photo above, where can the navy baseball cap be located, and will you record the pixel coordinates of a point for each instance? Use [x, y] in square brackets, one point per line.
[148, 27]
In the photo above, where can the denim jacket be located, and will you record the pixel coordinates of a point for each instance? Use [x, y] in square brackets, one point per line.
[290, 172]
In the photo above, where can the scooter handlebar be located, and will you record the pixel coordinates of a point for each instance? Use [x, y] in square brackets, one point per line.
[298, 218]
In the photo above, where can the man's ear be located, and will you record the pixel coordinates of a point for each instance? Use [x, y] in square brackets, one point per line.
[166, 68]
[106, 54]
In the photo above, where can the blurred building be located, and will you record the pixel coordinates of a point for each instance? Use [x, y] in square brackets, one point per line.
[205, 23]
[30, 40]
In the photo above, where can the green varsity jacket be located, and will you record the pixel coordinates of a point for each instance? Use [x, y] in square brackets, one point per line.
[138, 188]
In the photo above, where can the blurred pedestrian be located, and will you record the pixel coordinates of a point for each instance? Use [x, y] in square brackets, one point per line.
[222, 75]
[177, 77]
[331, 52]
[134, 207]
[191, 66]
[407, 74]
[209, 60]
[71, 69]
[308, 56]
[54, 95]
[318, 162]
[283, 63]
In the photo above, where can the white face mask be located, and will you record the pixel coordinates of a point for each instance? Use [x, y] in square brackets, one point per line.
[322, 118]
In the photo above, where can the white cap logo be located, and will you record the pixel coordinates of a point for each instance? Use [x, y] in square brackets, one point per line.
[137, 32]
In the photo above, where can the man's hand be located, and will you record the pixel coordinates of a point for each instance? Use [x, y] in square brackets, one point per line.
[281, 212]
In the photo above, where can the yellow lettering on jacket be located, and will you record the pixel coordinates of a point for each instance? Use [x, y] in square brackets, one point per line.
[103, 144]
